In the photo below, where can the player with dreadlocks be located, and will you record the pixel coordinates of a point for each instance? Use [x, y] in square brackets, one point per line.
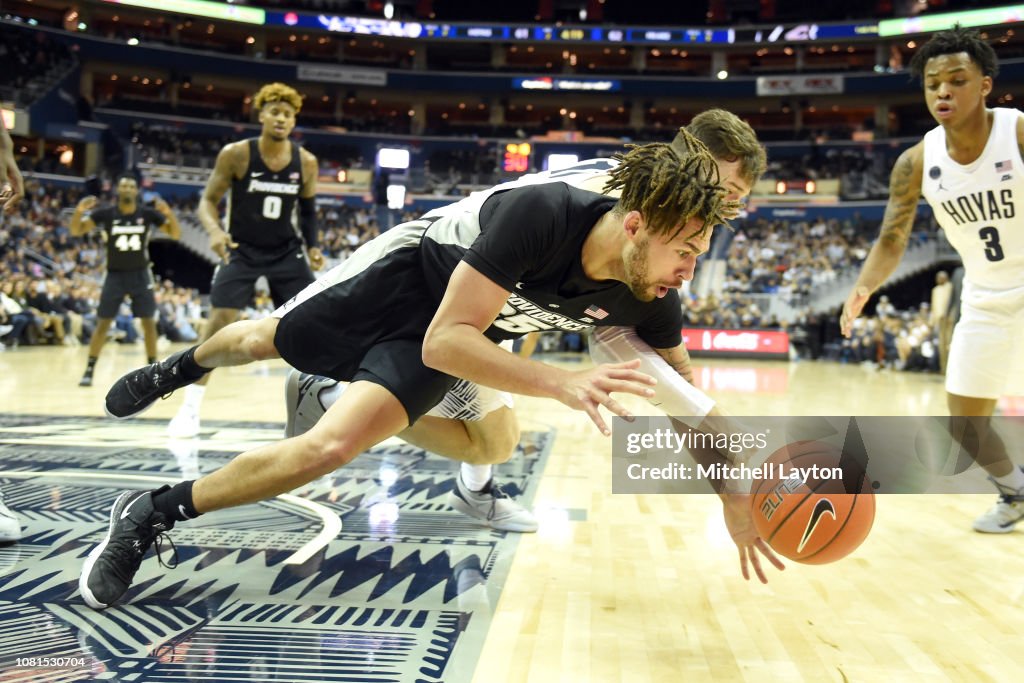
[423, 304]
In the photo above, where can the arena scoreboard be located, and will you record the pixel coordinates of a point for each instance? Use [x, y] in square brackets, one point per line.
[516, 157]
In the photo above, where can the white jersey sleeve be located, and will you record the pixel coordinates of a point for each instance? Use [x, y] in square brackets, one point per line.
[590, 174]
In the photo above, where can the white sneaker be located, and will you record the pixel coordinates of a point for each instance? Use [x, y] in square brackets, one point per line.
[492, 506]
[10, 525]
[185, 424]
[302, 401]
[1004, 515]
[1001, 517]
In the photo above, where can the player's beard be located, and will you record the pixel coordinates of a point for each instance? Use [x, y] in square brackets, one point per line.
[637, 270]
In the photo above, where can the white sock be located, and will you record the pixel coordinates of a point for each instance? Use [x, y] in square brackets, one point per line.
[475, 477]
[194, 396]
[329, 396]
[1014, 480]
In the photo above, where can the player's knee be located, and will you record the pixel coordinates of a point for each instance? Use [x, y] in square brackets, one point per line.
[969, 429]
[259, 339]
[324, 452]
[494, 438]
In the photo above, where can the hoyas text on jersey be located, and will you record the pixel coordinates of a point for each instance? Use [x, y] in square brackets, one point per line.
[981, 206]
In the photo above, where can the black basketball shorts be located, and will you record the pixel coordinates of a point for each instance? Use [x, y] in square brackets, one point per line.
[234, 282]
[138, 284]
[365, 320]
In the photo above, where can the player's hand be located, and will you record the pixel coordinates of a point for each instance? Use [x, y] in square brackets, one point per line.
[86, 204]
[316, 258]
[739, 520]
[222, 244]
[852, 308]
[685, 370]
[587, 389]
[162, 206]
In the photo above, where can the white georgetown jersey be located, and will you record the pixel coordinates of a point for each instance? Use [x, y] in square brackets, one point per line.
[977, 204]
[585, 175]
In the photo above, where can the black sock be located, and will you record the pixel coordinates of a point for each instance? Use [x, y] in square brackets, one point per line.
[176, 502]
[91, 366]
[151, 360]
[190, 369]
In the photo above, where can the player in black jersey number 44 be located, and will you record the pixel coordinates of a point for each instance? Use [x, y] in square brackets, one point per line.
[126, 228]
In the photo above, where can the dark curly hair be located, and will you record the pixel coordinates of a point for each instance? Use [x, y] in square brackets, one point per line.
[669, 185]
[954, 41]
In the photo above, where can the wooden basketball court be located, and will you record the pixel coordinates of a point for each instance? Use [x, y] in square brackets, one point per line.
[631, 588]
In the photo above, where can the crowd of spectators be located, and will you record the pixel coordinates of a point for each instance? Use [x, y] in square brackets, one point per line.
[31, 62]
[890, 339]
[792, 258]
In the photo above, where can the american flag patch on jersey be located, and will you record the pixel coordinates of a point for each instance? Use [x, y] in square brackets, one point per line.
[1003, 166]
[595, 312]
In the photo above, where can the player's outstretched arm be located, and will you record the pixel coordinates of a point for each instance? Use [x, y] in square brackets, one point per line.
[691, 409]
[171, 225]
[455, 344]
[307, 210]
[81, 224]
[217, 185]
[13, 184]
[904, 195]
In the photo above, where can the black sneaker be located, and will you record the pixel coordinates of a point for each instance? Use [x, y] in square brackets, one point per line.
[139, 389]
[110, 567]
[86, 380]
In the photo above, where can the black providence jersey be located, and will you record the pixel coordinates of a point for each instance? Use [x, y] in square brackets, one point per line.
[127, 235]
[262, 215]
[529, 240]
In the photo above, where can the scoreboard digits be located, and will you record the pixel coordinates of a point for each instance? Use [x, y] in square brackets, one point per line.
[516, 157]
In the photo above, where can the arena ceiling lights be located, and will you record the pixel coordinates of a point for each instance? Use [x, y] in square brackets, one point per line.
[200, 8]
[783, 33]
[1011, 14]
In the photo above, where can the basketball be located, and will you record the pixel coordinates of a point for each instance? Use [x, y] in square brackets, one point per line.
[802, 507]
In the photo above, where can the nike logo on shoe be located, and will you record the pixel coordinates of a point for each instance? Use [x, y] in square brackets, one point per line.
[128, 507]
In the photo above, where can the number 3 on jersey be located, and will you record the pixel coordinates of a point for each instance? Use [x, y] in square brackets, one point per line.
[271, 207]
[993, 250]
[128, 243]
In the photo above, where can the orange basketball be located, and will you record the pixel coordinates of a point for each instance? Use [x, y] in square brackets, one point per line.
[813, 521]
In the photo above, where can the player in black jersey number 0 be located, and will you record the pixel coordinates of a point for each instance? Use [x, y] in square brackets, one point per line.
[271, 216]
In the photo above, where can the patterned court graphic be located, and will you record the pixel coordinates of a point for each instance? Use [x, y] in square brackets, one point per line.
[364, 575]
